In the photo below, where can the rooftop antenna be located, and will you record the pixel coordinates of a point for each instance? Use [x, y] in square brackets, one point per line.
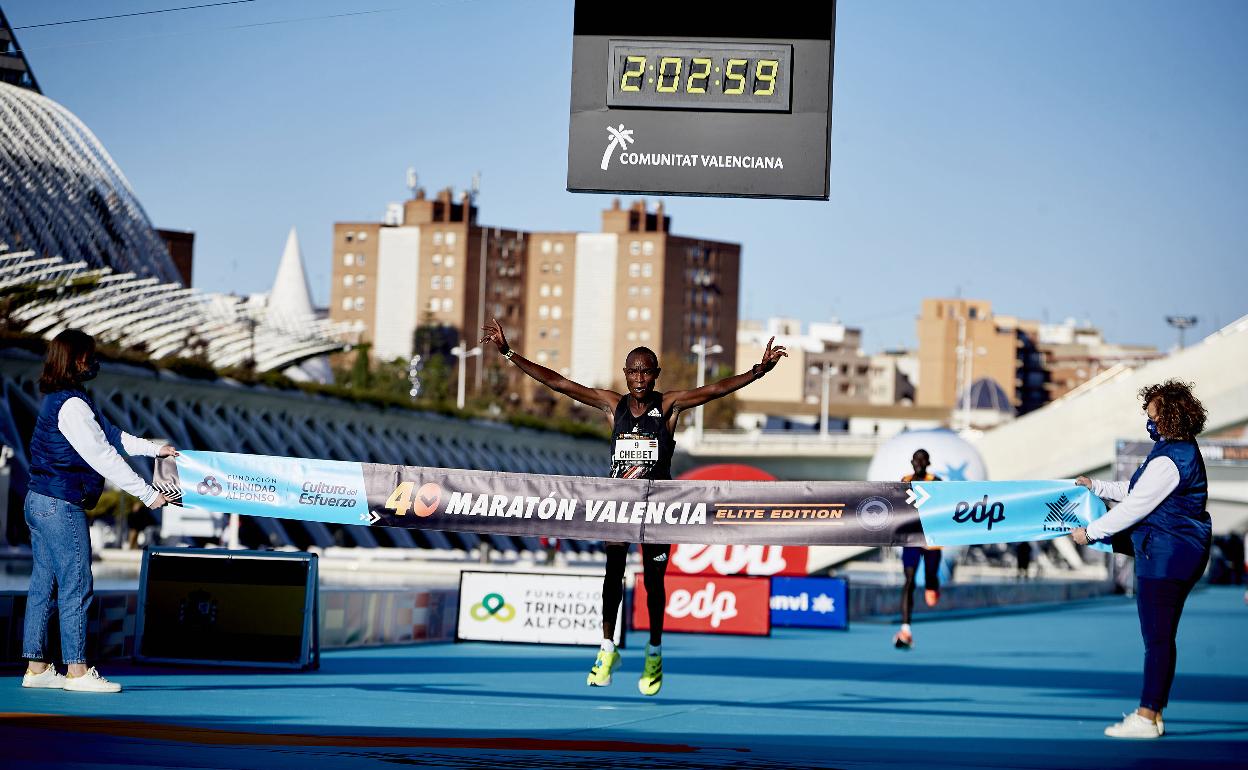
[475, 189]
[413, 181]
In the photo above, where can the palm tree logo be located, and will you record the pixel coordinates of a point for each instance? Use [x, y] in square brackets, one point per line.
[620, 137]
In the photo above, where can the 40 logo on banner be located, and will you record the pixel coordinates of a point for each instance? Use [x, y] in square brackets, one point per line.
[761, 560]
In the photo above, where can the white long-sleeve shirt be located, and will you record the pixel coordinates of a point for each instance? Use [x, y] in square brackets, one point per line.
[84, 433]
[1159, 479]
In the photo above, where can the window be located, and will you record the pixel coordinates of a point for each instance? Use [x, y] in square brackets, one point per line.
[448, 283]
[554, 332]
[543, 311]
[450, 260]
[450, 239]
[632, 314]
[541, 356]
[361, 235]
[437, 237]
[634, 248]
[347, 280]
[647, 270]
[645, 291]
[556, 312]
[435, 304]
[632, 336]
[545, 267]
[446, 305]
[634, 269]
[359, 279]
[558, 268]
[359, 260]
[436, 259]
[632, 291]
[545, 247]
[541, 332]
[647, 248]
[346, 303]
[348, 259]
[544, 290]
[359, 303]
[645, 314]
[435, 282]
[557, 290]
[348, 237]
[645, 336]
[558, 247]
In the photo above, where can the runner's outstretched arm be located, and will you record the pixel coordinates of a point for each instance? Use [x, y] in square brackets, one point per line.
[687, 399]
[598, 398]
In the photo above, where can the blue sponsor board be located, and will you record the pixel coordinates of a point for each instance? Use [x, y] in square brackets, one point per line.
[810, 602]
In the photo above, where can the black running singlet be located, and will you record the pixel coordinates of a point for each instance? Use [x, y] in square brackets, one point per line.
[641, 447]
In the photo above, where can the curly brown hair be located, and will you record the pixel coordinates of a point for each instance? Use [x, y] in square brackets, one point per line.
[1180, 415]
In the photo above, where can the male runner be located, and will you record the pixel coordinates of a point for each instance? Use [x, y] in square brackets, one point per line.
[641, 414]
[910, 557]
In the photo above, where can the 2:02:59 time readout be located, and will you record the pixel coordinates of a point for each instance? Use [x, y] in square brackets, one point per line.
[698, 74]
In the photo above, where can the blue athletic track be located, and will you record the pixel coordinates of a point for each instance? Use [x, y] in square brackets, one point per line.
[1021, 690]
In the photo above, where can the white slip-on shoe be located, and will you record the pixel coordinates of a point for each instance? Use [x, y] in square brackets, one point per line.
[90, 682]
[47, 679]
[1134, 726]
[1161, 726]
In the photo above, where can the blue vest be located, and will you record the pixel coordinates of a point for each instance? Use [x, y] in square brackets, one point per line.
[1173, 541]
[56, 468]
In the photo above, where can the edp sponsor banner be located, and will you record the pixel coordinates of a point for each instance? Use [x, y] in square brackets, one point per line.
[628, 510]
[758, 560]
[709, 605]
[532, 607]
[810, 602]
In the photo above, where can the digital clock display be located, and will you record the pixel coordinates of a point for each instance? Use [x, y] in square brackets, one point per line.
[707, 76]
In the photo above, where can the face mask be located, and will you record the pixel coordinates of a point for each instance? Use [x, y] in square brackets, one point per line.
[1152, 430]
[93, 368]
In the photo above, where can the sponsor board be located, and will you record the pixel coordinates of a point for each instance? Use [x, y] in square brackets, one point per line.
[531, 607]
[810, 602]
[709, 605]
[757, 560]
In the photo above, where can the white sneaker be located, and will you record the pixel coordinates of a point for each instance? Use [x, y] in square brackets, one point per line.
[1134, 726]
[47, 679]
[1161, 726]
[93, 682]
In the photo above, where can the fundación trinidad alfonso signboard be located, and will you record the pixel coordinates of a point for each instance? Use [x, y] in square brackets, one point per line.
[731, 99]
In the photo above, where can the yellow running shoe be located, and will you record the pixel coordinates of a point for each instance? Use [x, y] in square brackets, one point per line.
[604, 664]
[652, 677]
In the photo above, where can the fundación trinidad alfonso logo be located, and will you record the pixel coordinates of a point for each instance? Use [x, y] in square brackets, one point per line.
[1061, 516]
[621, 138]
[209, 486]
[492, 606]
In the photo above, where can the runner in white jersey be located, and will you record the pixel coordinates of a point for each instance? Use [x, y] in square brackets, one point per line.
[642, 423]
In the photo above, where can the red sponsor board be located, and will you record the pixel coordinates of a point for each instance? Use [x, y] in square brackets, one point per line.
[761, 560]
[710, 605]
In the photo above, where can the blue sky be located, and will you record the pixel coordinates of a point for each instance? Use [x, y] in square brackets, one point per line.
[1063, 158]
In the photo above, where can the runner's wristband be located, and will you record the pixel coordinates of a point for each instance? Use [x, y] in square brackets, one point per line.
[508, 353]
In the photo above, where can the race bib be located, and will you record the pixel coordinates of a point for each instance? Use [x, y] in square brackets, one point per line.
[636, 450]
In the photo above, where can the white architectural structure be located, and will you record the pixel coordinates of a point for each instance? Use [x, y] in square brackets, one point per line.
[63, 196]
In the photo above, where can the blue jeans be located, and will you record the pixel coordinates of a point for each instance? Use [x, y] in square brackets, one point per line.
[1160, 602]
[62, 565]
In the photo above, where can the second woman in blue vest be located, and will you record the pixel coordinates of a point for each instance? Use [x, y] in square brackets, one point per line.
[73, 450]
[1163, 513]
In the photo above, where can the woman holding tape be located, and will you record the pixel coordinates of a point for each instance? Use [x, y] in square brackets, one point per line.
[642, 413]
[1163, 514]
[73, 450]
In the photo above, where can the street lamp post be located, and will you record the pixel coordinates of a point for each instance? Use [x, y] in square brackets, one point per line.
[1182, 323]
[462, 352]
[702, 351]
[826, 368]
